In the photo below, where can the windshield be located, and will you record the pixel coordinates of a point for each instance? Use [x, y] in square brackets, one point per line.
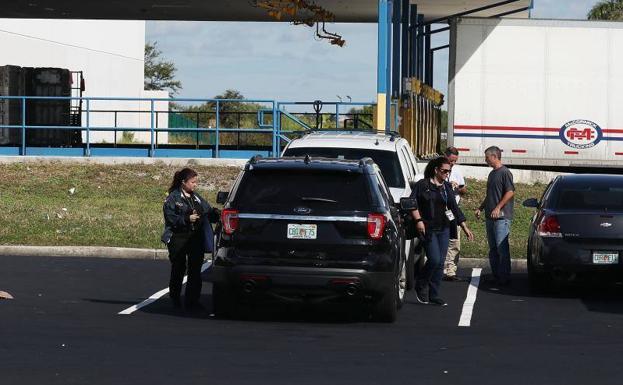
[386, 160]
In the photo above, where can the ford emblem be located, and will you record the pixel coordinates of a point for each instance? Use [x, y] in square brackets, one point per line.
[302, 210]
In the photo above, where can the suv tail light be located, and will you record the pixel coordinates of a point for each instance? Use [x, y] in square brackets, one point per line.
[549, 227]
[229, 218]
[376, 225]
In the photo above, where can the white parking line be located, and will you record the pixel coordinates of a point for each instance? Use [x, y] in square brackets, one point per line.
[470, 300]
[156, 296]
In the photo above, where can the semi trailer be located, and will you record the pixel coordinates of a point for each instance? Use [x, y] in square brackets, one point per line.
[547, 92]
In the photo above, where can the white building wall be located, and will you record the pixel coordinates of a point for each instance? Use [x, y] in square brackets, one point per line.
[110, 54]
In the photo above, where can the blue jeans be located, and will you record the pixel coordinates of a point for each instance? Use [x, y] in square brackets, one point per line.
[499, 249]
[436, 246]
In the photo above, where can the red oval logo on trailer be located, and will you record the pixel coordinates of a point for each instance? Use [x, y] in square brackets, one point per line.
[581, 134]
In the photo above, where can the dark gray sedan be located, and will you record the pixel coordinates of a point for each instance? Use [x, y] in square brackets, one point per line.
[577, 230]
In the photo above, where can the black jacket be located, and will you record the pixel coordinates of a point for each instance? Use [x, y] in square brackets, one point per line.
[177, 213]
[424, 194]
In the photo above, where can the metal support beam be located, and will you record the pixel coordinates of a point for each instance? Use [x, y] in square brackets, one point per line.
[438, 30]
[382, 65]
[404, 52]
[388, 52]
[465, 13]
[412, 40]
[440, 47]
[396, 18]
[511, 12]
[420, 47]
[428, 71]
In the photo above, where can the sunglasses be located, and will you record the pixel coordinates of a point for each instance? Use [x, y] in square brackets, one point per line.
[444, 170]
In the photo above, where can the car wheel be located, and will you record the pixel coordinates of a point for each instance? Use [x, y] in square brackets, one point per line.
[539, 282]
[386, 309]
[411, 266]
[223, 301]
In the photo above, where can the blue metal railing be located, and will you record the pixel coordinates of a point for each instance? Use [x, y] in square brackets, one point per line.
[270, 107]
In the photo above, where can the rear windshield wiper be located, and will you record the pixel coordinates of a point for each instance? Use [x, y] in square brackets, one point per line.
[314, 199]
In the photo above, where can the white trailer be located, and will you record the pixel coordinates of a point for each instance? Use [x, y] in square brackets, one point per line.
[547, 92]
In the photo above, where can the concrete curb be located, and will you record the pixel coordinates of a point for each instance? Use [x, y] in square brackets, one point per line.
[517, 265]
[84, 251]
[162, 254]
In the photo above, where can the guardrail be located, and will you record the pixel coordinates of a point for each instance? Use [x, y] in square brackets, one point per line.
[270, 118]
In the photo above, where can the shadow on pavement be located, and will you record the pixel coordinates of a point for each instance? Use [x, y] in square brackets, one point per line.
[266, 312]
[110, 301]
[597, 295]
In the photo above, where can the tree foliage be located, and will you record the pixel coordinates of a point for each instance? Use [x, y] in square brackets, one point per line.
[607, 10]
[232, 114]
[159, 73]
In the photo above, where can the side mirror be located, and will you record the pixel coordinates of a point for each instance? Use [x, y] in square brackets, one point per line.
[532, 202]
[408, 204]
[221, 197]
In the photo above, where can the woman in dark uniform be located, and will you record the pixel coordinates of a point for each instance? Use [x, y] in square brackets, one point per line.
[188, 235]
[435, 208]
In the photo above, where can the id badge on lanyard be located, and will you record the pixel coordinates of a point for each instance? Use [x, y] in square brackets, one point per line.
[449, 213]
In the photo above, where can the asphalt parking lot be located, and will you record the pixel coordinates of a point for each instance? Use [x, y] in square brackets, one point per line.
[63, 327]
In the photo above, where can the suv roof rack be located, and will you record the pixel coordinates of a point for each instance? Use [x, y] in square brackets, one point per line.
[391, 134]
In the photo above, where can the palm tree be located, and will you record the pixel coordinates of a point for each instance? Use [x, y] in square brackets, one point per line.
[607, 10]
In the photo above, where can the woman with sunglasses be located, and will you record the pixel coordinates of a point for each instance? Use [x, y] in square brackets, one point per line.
[434, 207]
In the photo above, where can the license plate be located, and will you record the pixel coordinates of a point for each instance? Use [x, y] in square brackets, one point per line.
[605, 257]
[296, 231]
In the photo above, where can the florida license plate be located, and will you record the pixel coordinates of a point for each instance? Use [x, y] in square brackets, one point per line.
[297, 231]
[605, 257]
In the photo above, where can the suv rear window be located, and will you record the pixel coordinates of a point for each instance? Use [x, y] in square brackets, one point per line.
[386, 160]
[322, 190]
[590, 196]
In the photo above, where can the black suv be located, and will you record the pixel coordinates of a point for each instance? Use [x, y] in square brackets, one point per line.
[303, 229]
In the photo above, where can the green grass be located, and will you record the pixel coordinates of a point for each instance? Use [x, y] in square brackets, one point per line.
[111, 206]
[122, 205]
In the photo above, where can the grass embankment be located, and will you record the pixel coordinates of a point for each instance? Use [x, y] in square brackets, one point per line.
[122, 205]
[111, 205]
[521, 219]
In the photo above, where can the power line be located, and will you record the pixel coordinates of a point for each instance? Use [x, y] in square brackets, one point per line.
[70, 45]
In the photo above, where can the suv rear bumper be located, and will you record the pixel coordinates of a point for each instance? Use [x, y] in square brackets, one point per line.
[302, 284]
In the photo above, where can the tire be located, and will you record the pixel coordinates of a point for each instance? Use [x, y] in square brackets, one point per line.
[386, 309]
[539, 282]
[223, 301]
[411, 266]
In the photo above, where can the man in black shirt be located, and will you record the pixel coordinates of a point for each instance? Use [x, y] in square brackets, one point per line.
[498, 206]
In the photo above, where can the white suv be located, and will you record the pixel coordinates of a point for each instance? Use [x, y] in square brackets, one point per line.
[390, 152]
